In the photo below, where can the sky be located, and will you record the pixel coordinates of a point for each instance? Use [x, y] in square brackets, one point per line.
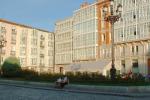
[38, 13]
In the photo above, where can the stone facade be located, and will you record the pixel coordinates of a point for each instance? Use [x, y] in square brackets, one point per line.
[32, 46]
[64, 37]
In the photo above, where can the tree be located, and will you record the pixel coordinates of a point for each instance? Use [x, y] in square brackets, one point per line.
[11, 67]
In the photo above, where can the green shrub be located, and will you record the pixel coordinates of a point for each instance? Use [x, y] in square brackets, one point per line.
[11, 67]
[35, 76]
[29, 75]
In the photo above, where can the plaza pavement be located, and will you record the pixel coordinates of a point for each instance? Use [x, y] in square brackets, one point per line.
[21, 93]
[84, 89]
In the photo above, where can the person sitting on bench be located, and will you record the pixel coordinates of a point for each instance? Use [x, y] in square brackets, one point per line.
[61, 82]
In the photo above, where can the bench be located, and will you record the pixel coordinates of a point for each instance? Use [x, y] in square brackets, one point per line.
[60, 84]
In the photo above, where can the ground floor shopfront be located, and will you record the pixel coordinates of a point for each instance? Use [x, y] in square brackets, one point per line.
[132, 56]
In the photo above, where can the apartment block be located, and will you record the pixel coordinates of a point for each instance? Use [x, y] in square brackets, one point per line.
[92, 38]
[89, 33]
[64, 43]
[132, 38]
[32, 46]
[85, 35]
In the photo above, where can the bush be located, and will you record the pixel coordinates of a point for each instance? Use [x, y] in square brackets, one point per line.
[86, 77]
[29, 75]
[11, 67]
[35, 76]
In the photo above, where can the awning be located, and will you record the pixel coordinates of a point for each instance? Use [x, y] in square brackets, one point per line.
[93, 66]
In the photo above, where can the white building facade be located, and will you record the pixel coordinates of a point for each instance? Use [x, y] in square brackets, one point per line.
[32, 46]
[85, 33]
[132, 38]
[64, 44]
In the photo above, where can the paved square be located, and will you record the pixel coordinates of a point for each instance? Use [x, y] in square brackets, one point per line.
[20, 93]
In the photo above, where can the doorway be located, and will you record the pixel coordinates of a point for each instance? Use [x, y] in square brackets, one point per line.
[61, 70]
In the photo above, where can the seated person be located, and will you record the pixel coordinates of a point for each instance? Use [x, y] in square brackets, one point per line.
[65, 80]
[61, 82]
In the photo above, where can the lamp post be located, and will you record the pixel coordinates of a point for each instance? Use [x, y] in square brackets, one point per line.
[112, 18]
[54, 50]
[2, 44]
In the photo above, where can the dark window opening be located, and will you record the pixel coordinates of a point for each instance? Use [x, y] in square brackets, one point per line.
[122, 35]
[135, 66]
[134, 16]
[134, 32]
[133, 1]
[132, 49]
[137, 49]
[123, 63]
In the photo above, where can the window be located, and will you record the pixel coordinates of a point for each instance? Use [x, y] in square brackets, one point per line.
[22, 51]
[13, 39]
[132, 49]
[103, 37]
[137, 49]
[23, 38]
[41, 61]
[22, 61]
[13, 51]
[135, 66]
[134, 32]
[13, 36]
[33, 61]
[14, 31]
[123, 63]
[133, 1]
[3, 29]
[122, 51]
[33, 51]
[134, 16]
[34, 41]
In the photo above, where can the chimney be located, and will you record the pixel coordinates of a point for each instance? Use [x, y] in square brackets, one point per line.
[85, 4]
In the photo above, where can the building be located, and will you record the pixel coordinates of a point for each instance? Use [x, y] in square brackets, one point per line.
[32, 46]
[104, 27]
[64, 43]
[85, 33]
[132, 38]
[91, 36]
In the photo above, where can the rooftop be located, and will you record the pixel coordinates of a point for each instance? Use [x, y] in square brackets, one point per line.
[22, 25]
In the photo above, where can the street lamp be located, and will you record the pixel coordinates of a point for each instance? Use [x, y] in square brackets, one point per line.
[112, 18]
[2, 44]
[54, 50]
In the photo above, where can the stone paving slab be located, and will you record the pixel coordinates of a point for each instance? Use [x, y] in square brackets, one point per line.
[21, 93]
[105, 90]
